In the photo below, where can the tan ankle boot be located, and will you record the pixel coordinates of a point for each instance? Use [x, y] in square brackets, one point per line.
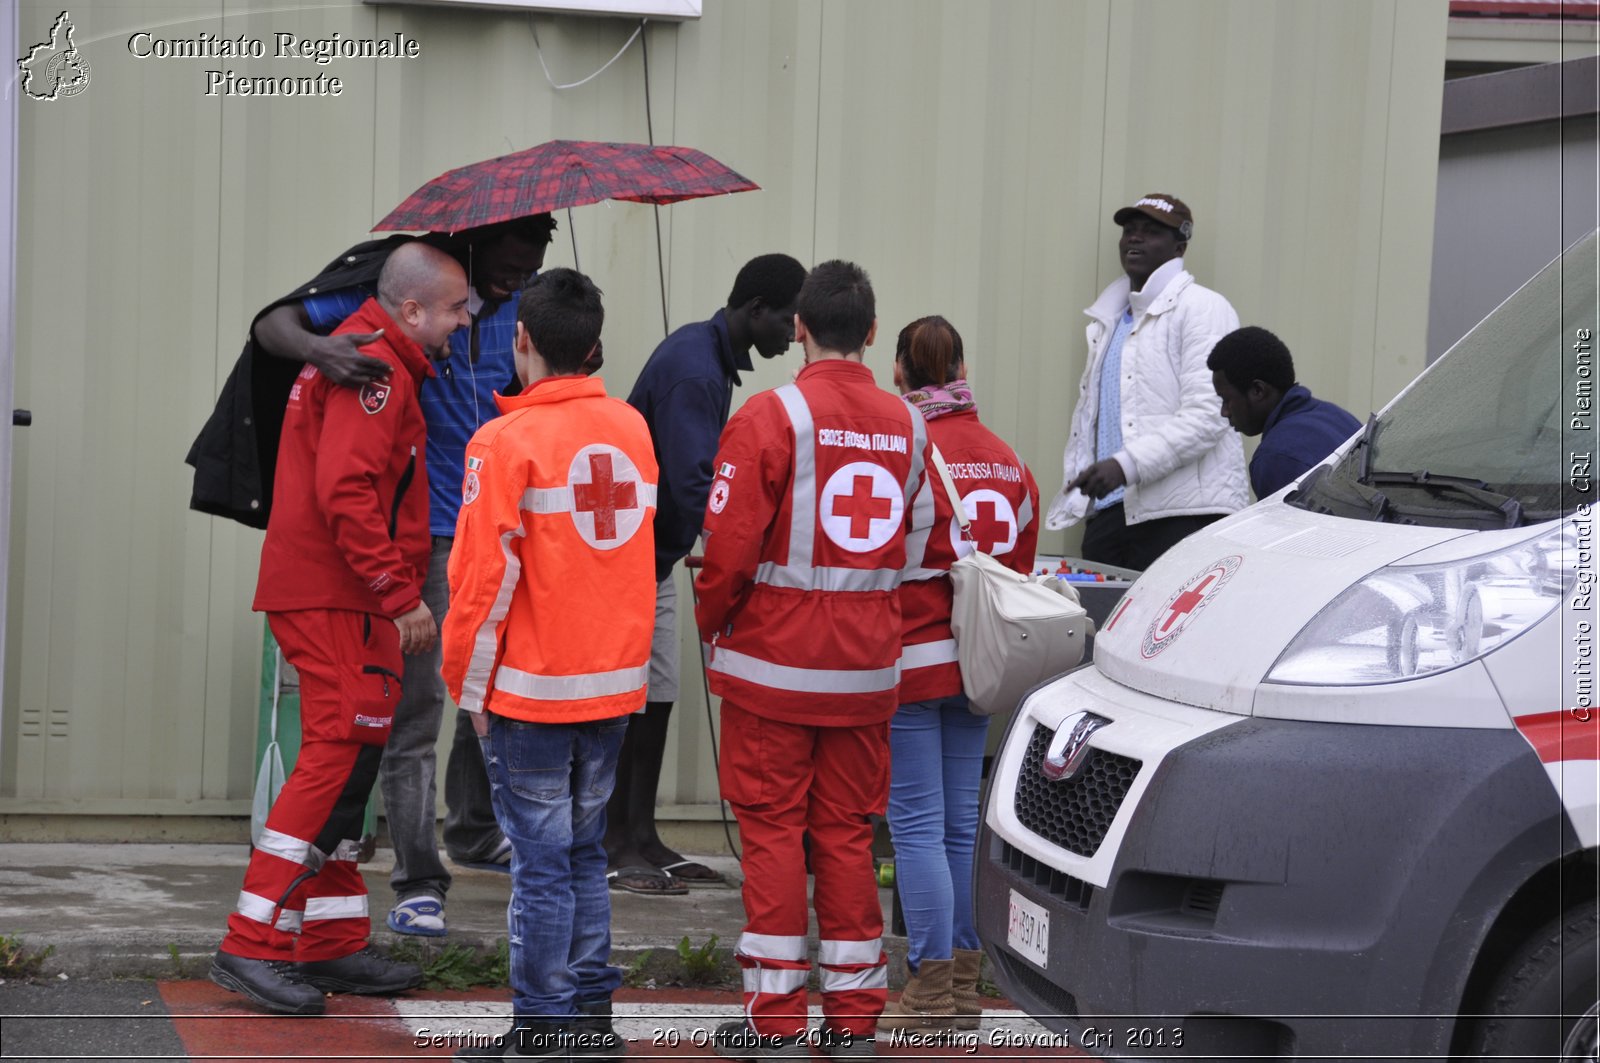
[925, 1004]
[964, 988]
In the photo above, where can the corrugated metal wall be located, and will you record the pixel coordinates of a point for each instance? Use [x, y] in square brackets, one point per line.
[969, 155]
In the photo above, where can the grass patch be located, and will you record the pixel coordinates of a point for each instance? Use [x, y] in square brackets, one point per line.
[458, 966]
[17, 960]
[634, 975]
[701, 964]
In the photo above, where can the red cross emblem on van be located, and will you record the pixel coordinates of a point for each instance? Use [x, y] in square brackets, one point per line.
[1173, 618]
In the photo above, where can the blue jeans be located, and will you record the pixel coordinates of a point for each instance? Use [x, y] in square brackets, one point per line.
[549, 784]
[936, 764]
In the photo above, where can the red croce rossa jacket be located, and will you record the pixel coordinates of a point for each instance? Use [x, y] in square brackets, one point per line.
[1002, 504]
[349, 524]
[805, 541]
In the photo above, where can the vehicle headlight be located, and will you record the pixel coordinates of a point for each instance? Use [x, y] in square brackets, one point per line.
[1406, 621]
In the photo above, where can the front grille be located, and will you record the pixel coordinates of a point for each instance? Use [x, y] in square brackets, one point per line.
[1075, 892]
[1073, 813]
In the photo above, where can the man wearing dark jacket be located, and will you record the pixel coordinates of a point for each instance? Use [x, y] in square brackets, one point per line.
[685, 393]
[1253, 374]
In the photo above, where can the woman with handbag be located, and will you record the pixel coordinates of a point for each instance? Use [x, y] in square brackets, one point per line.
[936, 741]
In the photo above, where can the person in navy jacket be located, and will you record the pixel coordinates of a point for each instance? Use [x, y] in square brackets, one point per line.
[1253, 374]
[685, 393]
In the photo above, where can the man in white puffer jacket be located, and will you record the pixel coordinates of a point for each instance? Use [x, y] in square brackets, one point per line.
[1150, 459]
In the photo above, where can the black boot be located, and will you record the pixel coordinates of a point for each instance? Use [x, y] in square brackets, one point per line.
[368, 972]
[738, 1040]
[546, 1041]
[594, 1039]
[274, 984]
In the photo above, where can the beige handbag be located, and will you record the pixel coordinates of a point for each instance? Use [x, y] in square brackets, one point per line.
[1013, 631]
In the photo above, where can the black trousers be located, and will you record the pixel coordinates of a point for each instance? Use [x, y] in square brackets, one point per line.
[1109, 539]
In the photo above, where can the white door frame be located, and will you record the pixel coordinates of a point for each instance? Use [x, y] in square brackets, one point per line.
[8, 305]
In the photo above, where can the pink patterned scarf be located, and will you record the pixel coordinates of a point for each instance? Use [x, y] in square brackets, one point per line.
[954, 397]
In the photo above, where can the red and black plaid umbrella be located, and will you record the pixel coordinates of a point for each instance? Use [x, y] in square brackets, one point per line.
[561, 173]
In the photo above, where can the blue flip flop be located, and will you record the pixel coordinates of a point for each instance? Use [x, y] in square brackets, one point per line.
[422, 915]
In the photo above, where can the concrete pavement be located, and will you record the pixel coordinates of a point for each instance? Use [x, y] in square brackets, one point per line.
[159, 911]
[116, 914]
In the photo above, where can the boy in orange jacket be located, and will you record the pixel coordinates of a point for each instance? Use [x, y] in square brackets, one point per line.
[552, 602]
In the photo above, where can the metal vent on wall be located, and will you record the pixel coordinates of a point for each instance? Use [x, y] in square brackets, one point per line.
[1073, 813]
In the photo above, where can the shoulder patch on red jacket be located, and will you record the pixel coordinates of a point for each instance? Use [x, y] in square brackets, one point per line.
[374, 397]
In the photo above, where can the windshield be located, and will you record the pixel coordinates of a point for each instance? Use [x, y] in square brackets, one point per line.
[1499, 432]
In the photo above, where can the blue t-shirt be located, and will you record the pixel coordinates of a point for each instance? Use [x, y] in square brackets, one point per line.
[456, 402]
[1108, 420]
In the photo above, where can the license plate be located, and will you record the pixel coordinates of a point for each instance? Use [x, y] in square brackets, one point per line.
[1028, 930]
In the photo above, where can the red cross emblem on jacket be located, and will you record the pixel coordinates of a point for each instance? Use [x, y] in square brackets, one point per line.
[605, 496]
[862, 506]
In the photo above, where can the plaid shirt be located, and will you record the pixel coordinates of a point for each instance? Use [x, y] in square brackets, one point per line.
[456, 402]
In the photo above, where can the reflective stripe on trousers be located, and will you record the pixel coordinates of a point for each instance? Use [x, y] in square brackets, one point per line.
[336, 908]
[260, 909]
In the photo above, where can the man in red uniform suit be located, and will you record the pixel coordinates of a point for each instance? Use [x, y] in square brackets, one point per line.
[341, 577]
[805, 539]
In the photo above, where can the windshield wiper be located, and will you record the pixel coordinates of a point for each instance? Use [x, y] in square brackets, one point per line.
[1369, 436]
[1476, 490]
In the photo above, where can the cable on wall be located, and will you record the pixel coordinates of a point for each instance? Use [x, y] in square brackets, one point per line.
[562, 88]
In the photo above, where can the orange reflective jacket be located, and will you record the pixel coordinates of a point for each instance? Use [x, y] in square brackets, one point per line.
[552, 575]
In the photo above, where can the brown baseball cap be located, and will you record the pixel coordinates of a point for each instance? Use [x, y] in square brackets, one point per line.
[1167, 209]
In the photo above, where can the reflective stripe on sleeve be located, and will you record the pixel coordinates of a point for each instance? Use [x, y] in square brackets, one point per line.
[318, 908]
[259, 909]
[919, 443]
[570, 687]
[928, 654]
[804, 680]
[772, 946]
[803, 495]
[922, 516]
[475, 684]
[805, 578]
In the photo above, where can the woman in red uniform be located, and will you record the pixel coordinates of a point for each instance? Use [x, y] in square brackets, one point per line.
[936, 742]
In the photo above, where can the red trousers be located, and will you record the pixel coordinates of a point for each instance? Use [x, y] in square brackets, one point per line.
[783, 781]
[303, 897]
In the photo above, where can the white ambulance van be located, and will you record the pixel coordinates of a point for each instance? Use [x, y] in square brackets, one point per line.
[1329, 786]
